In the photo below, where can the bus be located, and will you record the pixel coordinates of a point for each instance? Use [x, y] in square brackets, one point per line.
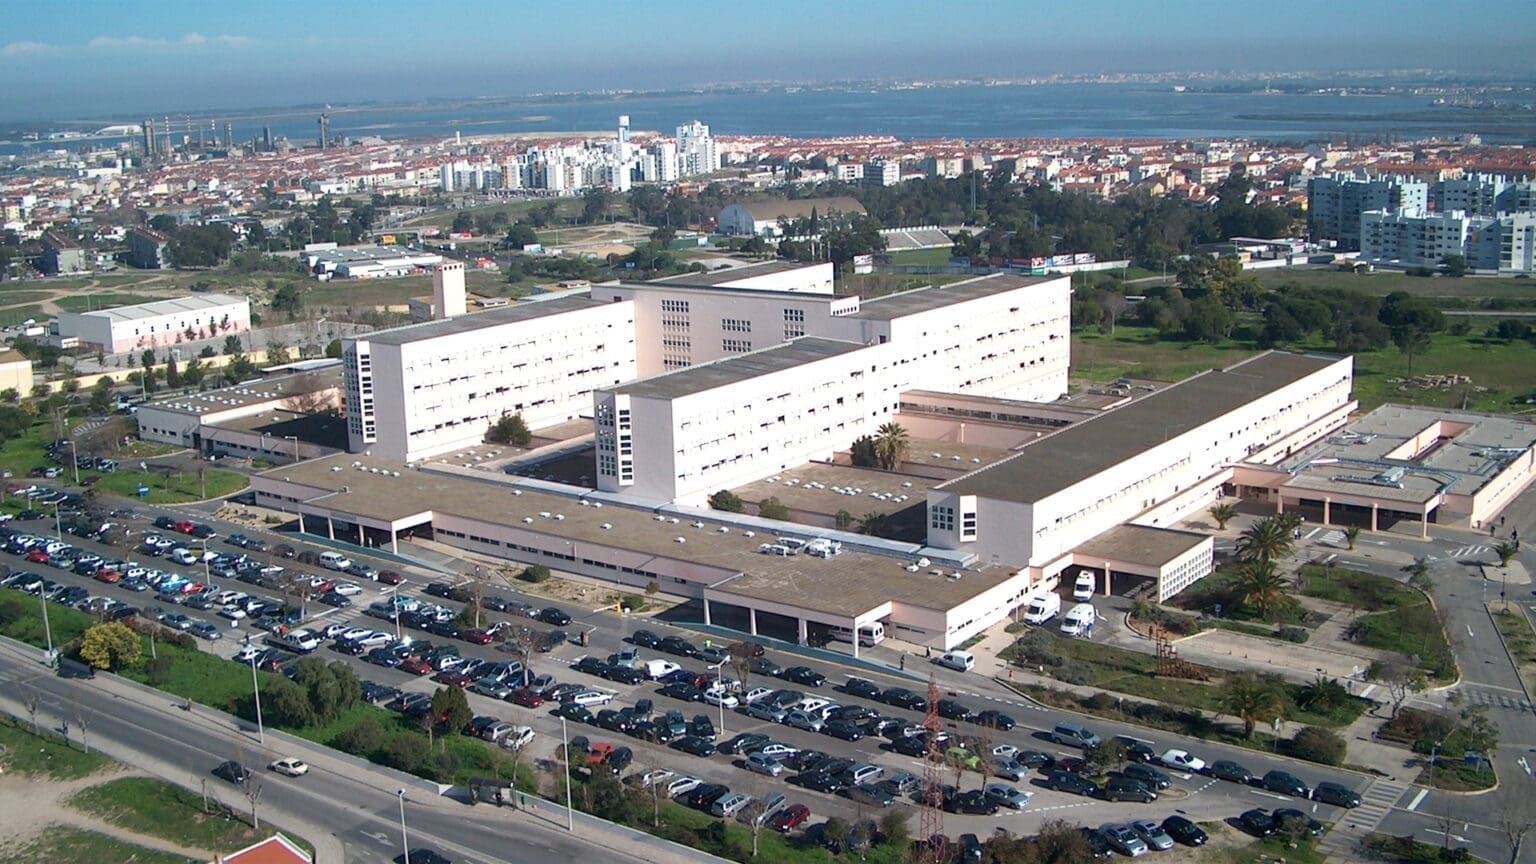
[870, 634]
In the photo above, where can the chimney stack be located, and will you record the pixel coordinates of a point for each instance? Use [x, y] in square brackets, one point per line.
[448, 290]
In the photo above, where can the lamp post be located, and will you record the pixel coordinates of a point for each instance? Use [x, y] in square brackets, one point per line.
[719, 669]
[261, 734]
[47, 632]
[74, 459]
[405, 842]
[570, 815]
[58, 524]
[295, 440]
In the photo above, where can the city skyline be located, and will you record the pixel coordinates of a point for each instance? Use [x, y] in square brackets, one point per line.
[98, 58]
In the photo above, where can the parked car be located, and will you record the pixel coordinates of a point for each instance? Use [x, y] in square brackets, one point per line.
[995, 719]
[1257, 822]
[233, 772]
[761, 764]
[1336, 794]
[790, 818]
[1182, 760]
[1290, 819]
[1008, 796]
[805, 676]
[290, 767]
[1152, 834]
[1286, 783]
[1076, 784]
[1184, 831]
[1226, 769]
[1124, 840]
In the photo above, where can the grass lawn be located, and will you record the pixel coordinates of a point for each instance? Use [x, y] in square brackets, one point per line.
[1356, 589]
[23, 619]
[1457, 776]
[1384, 282]
[1270, 850]
[176, 489]
[1223, 588]
[62, 845]
[17, 298]
[565, 208]
[921, 257]
[1413, 631]
[158, 809]
[1136, 352]
[1519, 639]
[44, 754]
[367, 293]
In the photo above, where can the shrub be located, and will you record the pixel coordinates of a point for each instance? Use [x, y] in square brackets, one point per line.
[727, 501]
[771, 508]
[632, 602]
[535, 574]
[409, 753]
[363, 738]
[510, 429]
[158, 671]
[1293, 634]
[1317, 745]
[1073, 672]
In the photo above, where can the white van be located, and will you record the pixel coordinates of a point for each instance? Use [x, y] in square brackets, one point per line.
[334, 561]
[1085, 586]
[870, 634]
[1043, 608]
[960, 661]
[1079, 620]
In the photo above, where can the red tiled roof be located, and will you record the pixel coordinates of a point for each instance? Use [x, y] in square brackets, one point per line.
[276, 849]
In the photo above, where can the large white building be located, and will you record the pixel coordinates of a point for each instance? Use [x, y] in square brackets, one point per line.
[427, 389]
[155, 324]
[1334, 204]
[1152, 462]
[767, 218]
[696, 150]
[1412, 238]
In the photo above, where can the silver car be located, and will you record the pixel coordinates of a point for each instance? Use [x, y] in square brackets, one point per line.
[1123, 839]
[1008, 796]
[807, 720]
[1153, 834]
[762, 709]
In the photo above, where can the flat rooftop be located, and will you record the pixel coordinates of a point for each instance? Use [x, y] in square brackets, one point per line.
[1082, 450]
[826, 489]
[1372, 455]
[850, 583]
[716, 278]
[326, 430]
[1141, 545]
[257, 392]
[526, 310]
[893, 306]
[156, 308]
[731, 370]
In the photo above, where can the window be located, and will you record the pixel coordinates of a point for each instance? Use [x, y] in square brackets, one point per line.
[736, 325]
[736, 346]
[941, 518]
[675, 306]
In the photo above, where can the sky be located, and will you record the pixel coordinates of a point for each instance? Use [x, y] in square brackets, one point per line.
[88, 59]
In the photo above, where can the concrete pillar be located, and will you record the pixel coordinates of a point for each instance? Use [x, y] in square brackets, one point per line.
[1326, 503]
[1424, 524]
[330, 528]
[394, 542]
[706, 610]
[1109, 588]
[1279, 503]
[855, 639]
[301, 521]
[804, 634]
[1373, 516]
[752, 620]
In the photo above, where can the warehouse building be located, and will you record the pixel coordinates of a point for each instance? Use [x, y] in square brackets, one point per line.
[155, 324]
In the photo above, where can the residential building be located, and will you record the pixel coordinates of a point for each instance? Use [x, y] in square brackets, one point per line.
[882, 173]
[767, 218]
[155, 324]
[1483, 194]
[1334, 204]
[1508, 245]
[147, 248]
[63, 255]
[1413, 238]
[696, 150]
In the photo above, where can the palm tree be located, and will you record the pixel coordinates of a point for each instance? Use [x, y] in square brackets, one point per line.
[1418, 574]
[1506, 552]
[1263, 587]
[1351, 534]
[1223, 513]
[1264, 541]
[891, 445]
[1251, 701]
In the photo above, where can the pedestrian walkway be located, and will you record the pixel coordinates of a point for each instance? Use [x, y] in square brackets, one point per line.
[1376, 801]
[1499, 697]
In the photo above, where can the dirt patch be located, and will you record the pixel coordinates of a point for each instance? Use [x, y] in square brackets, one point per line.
[31, 806]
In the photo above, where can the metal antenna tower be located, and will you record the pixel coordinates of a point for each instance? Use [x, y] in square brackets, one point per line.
[931, 813]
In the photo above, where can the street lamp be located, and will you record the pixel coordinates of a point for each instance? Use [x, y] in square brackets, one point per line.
[74, 459]
[47, 632]
[405, 842]
[570, 816]
[719, 669]
[261, 734]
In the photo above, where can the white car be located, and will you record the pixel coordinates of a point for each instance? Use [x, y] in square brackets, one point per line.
[654, 778]
[589, 698]
[355, 633]
[347, 589]
[233, 613]
[518, 738]
[812, 704]
[680, 786]
[721, 698]
[754, 694]
[778, 751]
[1007, 751]
[334, 631]
[1183, 760]
[375, 639]
[249, 653]
[290, 766]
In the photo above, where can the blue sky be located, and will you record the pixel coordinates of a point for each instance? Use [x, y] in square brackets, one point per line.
[95, 58]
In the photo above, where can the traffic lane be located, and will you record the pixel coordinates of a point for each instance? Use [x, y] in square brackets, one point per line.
[1484, 842]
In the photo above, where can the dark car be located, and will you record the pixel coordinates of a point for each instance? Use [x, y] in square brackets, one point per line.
[694, 745]
[573, 712]
[952, 710]
[165, 523]
[842, 729]
[619, 759]
[233, 772]
[995, 719]
[1184, 831]
[705, 795]
[645, 639]
[1136, 750]
[1257, 822]
[1336, 794]
[1126, 789]
[702, 727]
[1097, 842]
[765, 667]
[1153, 778]
[422, 856]
[1035, 759]
[554, 616]
[1226, 769]
[591, 666]
[625, 675]
[971, 801]
[1290, 819]
[804, 759]
[901, 697]
[870, 796]
[804, 675]
[331, 598]
[1286, 783]
[744, 742]
[678, 646]
[1066, 781]
[861, 687]
[970, 849]
[375, 694]
[680, 690]
[820, 781]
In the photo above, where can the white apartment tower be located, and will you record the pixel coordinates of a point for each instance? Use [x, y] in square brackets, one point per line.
[696, 152]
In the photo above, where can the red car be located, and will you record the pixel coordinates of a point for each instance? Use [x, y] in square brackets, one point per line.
[415, 666]
[477, 636]
[525, 697]
[791, 817]
[108, 575]
[452, 677]
[38, 556]
[390, 577]
[192, 587]
[185, 526]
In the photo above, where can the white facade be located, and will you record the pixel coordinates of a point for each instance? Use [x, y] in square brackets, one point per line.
[696, 150]
[427, 389]
[684, 435]
[1417, 239]
[1177, 445]
[1334, 204]
[882, 173]
[156, 324]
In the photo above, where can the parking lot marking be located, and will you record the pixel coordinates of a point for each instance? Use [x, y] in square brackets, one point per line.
[1417, 800]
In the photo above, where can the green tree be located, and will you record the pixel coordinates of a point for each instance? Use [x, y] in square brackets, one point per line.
[875, 524]
[1251, 700]
[333, 349]
[463, 223]
[1316, 744]
[842, 519]
[1454, 266]
[862, 453]
[450, 708]
[1419, 574]
[594, 205]
[1263, 587]
[1506, 552]
[1351, 535]
[511, 430]
[289, 299]
[1322, 694]
[232, 345]
[1223, 513]
[1266, 540]
[891, 445]
[110, 646]
[727, 501]
[522, 234]
[172, 374]
[772, 508]
[277, 353]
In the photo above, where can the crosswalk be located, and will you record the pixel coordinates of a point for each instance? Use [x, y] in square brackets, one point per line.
[1470, 552]
[1333, 538]
[1341, 843]
[1492, 698]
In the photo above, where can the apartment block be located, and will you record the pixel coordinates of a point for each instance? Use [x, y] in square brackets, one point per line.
[1334, 204]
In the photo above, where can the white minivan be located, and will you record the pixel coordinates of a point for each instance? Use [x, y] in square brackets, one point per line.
[960, 661]
[334, 561]
[1083, 589]
[1079, 620]
[1043, 608]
